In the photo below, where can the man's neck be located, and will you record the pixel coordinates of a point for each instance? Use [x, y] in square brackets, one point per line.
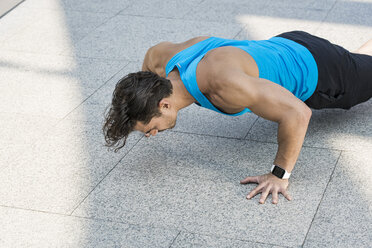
[180, 97]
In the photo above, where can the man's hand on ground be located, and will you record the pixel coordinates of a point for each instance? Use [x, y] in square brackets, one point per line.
[267, 184]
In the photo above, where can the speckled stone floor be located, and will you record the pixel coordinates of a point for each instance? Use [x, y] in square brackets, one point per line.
[60, 187]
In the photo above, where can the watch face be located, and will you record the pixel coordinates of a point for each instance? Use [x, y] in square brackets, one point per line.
[279, 172]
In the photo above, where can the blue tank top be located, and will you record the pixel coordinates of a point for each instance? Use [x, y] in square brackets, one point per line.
[279, 60]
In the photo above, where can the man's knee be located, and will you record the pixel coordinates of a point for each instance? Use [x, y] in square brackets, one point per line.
[366, 48]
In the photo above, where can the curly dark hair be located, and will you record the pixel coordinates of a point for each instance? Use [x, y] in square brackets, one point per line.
[136, 98]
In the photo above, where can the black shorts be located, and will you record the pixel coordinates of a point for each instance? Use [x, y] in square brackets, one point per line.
[344, 78]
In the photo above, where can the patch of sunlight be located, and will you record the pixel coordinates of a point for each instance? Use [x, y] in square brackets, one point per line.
[71, 139]
[50, 86]
[350, 36]
[59, 35]
[272, 25]
[358, 1]
[357, 165]
[31, 81]
[345, 140]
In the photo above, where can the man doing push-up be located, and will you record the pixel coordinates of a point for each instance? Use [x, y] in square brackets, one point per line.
[279, 79]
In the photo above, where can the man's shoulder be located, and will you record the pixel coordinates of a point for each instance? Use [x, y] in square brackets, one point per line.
[213, 73]
[220, 62]
[219, 65]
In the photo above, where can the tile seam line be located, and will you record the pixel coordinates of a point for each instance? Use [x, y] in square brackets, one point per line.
[136, 224]
[88, 218]
[34, 210]
[106, 82]
[70, 214]
[124, 222]
[91, 31]
[235, 239]
[241, 30]
[192, 8]
[187, 12]
[259, 141]
[151, 16]
[70, 56]
[19, 31]
[68, 9]
[174, 239]
[183, 229]
[179, 19]
[105, 176]
[329, 11]
[59, 120]
[325, 17]
[11, 9]
[211, 21]
[320, 202]
[245, 136]
[306, 146]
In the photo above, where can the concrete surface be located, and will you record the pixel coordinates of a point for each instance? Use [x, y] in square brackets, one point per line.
[60, 187]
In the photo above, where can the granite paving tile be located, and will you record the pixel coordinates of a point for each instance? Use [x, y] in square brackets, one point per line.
[198, 120]
[350, 37]
[6, 7]
[60, 169]
[111, 40]
[107, 6]
[304, 4]
[191, 182]
[344, 13]
[182, 186]
[22, 228]
[15, 21]
[343, 27]
[224, 11]
[159, 8]
[279, 20]
[186, 239]
[54, 31]
[49, 85]
[19, 132]
[333, 129]
[95, 107]
[251, 11]
[344, 218]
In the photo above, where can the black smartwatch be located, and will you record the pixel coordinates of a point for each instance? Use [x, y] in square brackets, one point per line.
[280, 172]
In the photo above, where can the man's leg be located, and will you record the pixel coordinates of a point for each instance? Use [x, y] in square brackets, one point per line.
[366, 48]
[362, 59]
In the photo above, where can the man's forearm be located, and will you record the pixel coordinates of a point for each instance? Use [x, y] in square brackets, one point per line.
[291, 134]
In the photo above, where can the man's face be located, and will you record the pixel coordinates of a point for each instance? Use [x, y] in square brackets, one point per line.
[157, 124]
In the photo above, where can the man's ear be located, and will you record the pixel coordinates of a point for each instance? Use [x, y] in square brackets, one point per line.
[164, 103]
